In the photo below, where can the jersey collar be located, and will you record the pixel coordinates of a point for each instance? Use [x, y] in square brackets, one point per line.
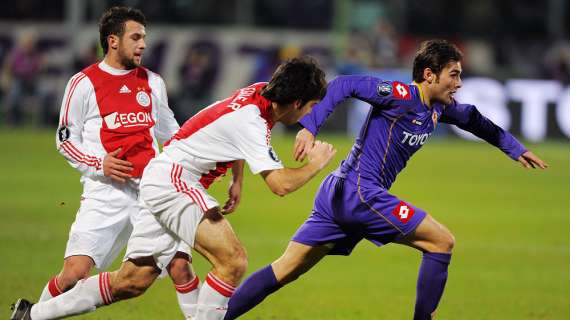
[114, 71]
[422, 97]
[265, 110]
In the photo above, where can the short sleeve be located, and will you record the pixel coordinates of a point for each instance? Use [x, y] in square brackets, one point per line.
[253, 139]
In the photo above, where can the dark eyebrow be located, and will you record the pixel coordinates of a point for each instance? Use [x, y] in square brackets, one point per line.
[138, 34]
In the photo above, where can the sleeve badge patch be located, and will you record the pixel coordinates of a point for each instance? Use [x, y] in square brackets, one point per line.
[401, 91]
[384, 89]
[273, 155]
[62, 134]
[403, 212]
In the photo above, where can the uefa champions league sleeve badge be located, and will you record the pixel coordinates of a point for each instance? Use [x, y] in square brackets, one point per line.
[62, 134]
[273, 155]
[384, 89]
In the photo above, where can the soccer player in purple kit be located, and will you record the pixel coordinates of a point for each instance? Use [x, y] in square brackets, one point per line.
[353, 202]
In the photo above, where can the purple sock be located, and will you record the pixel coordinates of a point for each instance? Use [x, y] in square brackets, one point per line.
[431, 282]
[251, 292]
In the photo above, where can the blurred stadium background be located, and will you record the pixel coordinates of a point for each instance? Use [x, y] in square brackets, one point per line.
[513, 251]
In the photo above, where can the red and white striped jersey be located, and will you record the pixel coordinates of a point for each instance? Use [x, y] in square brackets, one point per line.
[237, 128]
[106, 108]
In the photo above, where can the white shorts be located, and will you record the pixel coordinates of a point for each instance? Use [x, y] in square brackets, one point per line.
[172, 209]
[104, 221]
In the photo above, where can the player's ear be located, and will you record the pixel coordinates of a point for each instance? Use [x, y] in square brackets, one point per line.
[429, 76]
[297, 104]
[113, 41]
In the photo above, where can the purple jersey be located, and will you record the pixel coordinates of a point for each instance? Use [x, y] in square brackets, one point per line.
[397, 126]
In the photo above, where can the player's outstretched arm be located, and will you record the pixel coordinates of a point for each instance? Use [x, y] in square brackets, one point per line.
[286, 180]
[234, 192]
[468, 118]
[530, 160]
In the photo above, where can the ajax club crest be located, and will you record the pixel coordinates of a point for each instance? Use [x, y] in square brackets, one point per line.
[143, 99]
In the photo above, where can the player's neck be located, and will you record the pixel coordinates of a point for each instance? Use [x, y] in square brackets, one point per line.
[114, 62]
[277, 112]
[283, 113]
[424, 93]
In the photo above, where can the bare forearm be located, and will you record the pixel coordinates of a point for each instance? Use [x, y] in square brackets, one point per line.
[287, 180]
[237, 171]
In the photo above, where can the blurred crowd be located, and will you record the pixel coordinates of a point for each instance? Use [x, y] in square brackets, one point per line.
[373, 36]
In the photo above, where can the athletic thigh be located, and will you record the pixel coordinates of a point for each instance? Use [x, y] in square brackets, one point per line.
[430, 236]
[216, 240]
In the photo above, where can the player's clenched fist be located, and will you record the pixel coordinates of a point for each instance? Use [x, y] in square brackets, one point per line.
[303, 143]
[116, 168]
[321, 153]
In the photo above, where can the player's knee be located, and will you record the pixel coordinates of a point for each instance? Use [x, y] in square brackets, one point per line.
[236, 266]
[67, 281]
[446, 242]
[179, 270]
[72, 273]
[290, 270]
[291, 276]
[239, 264]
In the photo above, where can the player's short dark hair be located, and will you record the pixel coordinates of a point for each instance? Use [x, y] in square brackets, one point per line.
[434, 54]
[296, 79]
[113, 22]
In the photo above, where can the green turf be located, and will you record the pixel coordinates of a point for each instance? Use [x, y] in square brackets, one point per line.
[511, 260]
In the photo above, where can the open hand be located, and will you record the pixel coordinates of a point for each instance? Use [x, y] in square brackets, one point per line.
[530, 160]
[116, 168]
[234, 198]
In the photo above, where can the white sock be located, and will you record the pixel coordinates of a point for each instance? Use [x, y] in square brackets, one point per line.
[187, 295]
[213, 298]
[52, 289]
[86, 296]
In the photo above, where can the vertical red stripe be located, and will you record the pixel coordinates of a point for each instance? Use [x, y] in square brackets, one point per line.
[67, 97]
[69, 94]
[101, 290]
[181, 186]
[195, 199]
[108, 287]
[201, 201]
[177, 177]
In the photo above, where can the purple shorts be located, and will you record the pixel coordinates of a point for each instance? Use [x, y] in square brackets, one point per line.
[343, 216]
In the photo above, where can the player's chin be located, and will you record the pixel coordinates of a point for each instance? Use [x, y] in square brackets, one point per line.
[137, 60]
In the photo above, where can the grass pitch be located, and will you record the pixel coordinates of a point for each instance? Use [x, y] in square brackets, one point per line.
[511, 260]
